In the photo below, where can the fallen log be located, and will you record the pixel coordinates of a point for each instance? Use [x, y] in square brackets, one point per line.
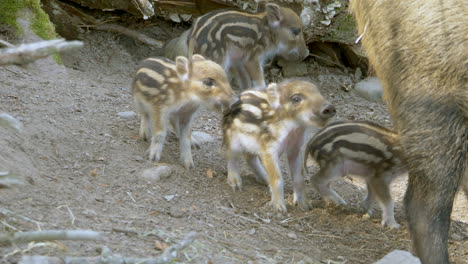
[27, 53]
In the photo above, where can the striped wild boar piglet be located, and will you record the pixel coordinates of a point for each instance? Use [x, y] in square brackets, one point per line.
[242, 41]
[165, 91]
[363, 149]
[264, 124]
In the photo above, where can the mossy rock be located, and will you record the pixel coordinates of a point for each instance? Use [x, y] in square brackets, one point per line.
[10, 10]
[31, 10]
[342, 29]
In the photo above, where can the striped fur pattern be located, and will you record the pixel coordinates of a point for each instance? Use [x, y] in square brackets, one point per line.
[165, 91]
[359, 148]
[264, 124]
[242, 41]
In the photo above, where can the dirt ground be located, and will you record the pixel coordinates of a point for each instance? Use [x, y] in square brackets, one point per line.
[82, 166]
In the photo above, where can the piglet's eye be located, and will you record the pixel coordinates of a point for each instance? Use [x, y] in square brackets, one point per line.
[296, 99]
[210, 82]
[295, 31]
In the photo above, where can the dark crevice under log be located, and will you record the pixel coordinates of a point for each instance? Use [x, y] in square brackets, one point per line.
[335, 54]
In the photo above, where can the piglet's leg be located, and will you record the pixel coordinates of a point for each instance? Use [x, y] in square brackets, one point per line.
[321, 182]
[271, 164]
[186, 116]
[295, 162]
[381, 190]
[244, 78]
[145, 120]
[367, 203]
[255, 70]
[234, 179]
[254, 163]
[160, 123]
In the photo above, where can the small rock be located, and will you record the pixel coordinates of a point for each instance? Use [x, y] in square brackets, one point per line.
[199, 137]
[292, 235]
[358, 74]
[169, 197]
[252, 231]
[456, 237]
[157, 173]
[174, 17]
[347, 230]
[292, 68]
[275, 72]
[9, 121]
[366, 216]
[400, 257]
[176, 212]
[186, 17]
[370, 89]
[127, 114]
[89, 212]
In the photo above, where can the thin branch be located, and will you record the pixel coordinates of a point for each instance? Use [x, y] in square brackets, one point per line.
[30, 52]
[7, 212]
[169, 255]
[130, 33]
[25, 237]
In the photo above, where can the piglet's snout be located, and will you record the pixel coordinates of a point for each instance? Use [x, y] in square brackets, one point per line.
[327, 111]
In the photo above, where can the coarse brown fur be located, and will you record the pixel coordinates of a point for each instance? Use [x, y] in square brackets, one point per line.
[418, 50]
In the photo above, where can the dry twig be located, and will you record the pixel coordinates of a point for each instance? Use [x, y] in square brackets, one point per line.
[130, 33]
[168, 256]
[26, 53]
[24, 237]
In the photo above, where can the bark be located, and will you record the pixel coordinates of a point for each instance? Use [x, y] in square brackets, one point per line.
[30, 52]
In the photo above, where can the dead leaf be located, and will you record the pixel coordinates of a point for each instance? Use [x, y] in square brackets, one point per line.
[159, 245]
[94, 173]
[154, 213]
[209, 173]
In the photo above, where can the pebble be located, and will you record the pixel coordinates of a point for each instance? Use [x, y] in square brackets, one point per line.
[169, 197]
[370, 89]
[157, 173]
[292, 68]
[292, 235]
[127, 114]
[456, 237]
[176, 212]
[200, 137]
[400, 257]
[8, 121]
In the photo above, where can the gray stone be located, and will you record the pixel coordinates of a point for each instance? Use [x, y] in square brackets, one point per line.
[358, 74]
[292, 68]
[370, 89]
[399, 257]
[292, 235]
[8, 121]
[199, 138]
[157, 173]
[169, 197]
[127, 114]
[176, 212]
[456, 237]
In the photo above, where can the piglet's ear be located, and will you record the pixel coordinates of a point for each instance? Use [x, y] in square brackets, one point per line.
[182, 68]
[198, 57]
[273, 95]
[273, 14]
